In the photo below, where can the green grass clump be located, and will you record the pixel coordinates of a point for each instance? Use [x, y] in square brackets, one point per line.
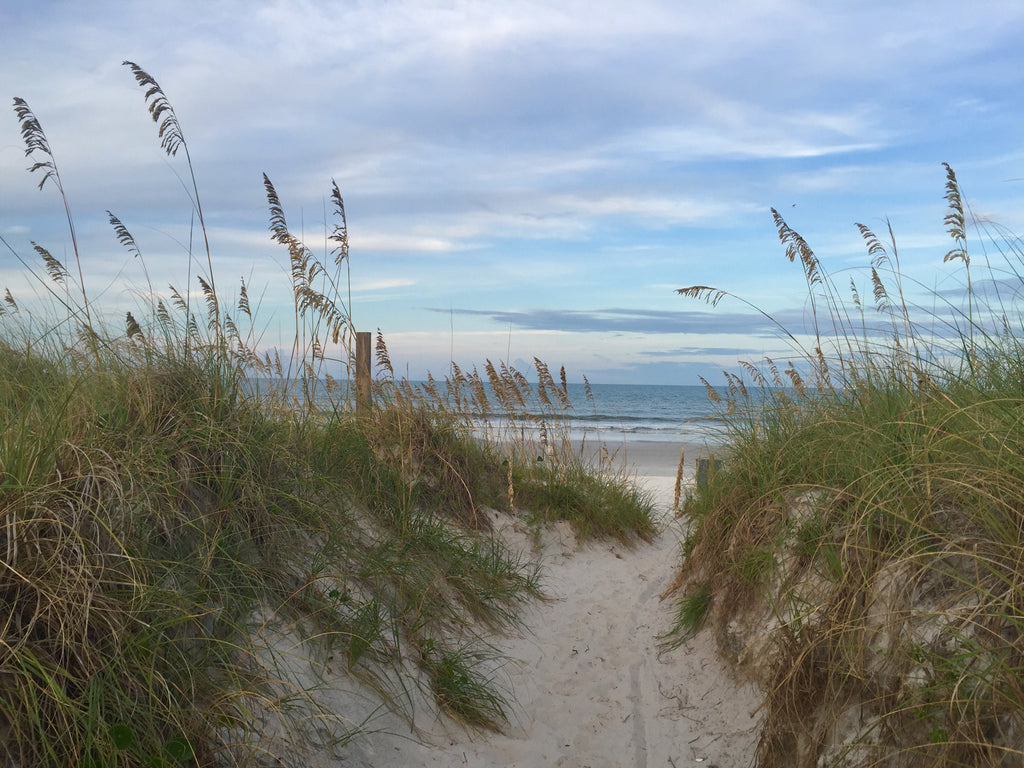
[187, 519]
[603, 505]
[690, 615]
[883, 473]
[463, 691]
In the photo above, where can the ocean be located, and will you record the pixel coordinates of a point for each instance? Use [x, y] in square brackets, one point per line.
[672, 413]
[619, 412]
[616, 413]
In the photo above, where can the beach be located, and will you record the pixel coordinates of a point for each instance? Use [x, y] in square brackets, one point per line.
[592, 683]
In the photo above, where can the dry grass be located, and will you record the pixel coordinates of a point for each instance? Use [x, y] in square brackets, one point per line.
[869, 517]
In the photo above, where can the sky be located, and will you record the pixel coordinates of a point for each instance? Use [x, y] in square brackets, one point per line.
[521, 179]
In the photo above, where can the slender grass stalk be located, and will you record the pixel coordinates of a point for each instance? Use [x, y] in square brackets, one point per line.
[171, 140]
[36, 142]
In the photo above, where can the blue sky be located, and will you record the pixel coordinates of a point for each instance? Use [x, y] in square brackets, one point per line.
[521, 178]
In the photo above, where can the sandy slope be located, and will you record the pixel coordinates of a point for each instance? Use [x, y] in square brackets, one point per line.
[592, 685]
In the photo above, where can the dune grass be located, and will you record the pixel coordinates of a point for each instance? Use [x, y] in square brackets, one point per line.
[867, 529]
[186, 518]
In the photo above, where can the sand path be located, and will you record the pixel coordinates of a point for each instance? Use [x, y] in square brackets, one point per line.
[592, 684]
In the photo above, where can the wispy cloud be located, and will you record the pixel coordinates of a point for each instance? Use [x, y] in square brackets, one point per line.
[384, 285]
[702, 352]
[658, 210]
[403, 242]
[746, 131]
[619, 320]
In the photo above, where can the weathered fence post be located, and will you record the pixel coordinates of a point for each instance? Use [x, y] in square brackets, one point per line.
[706, 470]
[363, 372]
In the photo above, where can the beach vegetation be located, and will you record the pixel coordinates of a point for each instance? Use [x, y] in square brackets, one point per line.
[465, 688]
[598, 505]
[199, 532]
[863, 543]
[691, 610]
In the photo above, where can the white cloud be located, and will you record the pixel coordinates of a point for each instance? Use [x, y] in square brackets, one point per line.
[661, 210]
[384, 284]
[370, 242]
[750, 131]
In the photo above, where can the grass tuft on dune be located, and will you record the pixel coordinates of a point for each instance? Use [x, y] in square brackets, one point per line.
[861, 552]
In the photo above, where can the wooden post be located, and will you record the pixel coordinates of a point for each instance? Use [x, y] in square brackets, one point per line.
[706, 470]
[363, 372]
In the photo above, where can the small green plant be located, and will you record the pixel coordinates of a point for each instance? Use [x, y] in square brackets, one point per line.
[753, 564]
[462, 690]
[690, 614]
[173, 752]
[814, 540]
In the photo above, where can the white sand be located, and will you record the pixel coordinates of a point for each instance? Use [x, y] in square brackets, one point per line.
[593, 686]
